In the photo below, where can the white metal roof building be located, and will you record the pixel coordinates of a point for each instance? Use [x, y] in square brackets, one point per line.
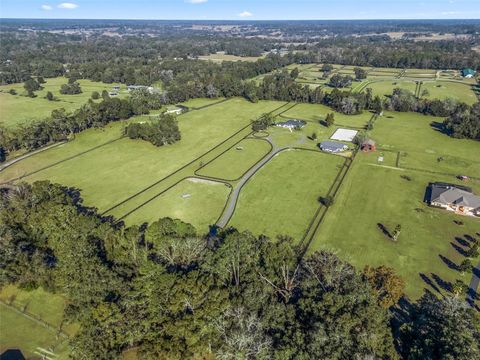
[344, 135]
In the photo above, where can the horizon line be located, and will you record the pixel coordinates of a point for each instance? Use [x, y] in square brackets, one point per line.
[242, 20]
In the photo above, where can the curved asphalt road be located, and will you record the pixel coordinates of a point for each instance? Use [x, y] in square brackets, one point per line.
[473, 288]
[232, 200]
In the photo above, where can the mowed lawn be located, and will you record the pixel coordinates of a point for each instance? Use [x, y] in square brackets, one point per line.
[18, 109]
[281, 198]
[424, 147]
[115, 171]
[195, 201]
[317, 112]
[385, 87]
[372, 195]
[236, 161]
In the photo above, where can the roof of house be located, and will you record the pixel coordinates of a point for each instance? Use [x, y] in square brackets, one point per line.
[332, 146]
[451, 194]
[468, 71]
[292, 123]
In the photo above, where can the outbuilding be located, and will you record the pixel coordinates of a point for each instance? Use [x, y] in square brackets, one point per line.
[368, 145]
[468, 73]
[332, 146]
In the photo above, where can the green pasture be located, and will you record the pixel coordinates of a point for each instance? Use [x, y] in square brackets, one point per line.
[117, 170]
[195, 201]
[19, 109]
[372, 195]
[386, 87]
[281, 198]
[318, 112]
[22, 332]
[450, 89]
[421, 144]
[236, 161]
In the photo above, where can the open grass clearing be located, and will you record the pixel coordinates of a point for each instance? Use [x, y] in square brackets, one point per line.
[19, 109]
[220, 56]
[116, 171]
[195, 201]
[236, 161]
[450, 89]
[413, 134]
[318, 112]
[371, 195]
[201, 102]
[386, 87]
[281, 198]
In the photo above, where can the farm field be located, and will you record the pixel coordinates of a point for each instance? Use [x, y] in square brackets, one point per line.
[373, 195]
[220, 56]
[19, 109]
[117, 170]
[236, 161]
[282, 197]
[317, 112]
[391, 192]
[20, 331]
[196, 201]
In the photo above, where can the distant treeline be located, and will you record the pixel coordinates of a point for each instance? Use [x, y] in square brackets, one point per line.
[167, 291]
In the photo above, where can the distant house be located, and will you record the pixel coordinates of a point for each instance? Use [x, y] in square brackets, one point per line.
[150, 89]
[179, 109]
[468, 73]
[291, 124]
[116, 87]
[368, 145]
[112, 94]
[332, 147]
[458, 199]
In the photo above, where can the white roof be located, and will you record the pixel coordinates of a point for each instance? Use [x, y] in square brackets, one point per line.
[344, 135]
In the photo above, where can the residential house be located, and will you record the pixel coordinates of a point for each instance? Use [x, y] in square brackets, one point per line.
[332, 147]
[456, 198]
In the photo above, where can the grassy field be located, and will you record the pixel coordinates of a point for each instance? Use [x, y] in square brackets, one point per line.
[377, 192]
[317, 112]
[196, 201]
[26, 334]
[421, 145]
[450, 89]
[113, 172]
[220, 56]
[236, 161]
[282, 197]
[371, 195]
[19, 109]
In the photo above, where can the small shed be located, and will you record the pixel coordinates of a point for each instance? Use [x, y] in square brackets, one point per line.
[368, 145]
[468, 73]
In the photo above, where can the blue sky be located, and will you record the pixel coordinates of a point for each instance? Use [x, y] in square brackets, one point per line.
[241, 9]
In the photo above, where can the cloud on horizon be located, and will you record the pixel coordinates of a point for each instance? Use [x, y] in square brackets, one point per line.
[66, 5]
[196, 1]
[46, 7]
[244, 14]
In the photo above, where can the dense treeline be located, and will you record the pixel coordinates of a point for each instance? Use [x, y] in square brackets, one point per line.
[170, 292]
[61, 125]
[160, 131]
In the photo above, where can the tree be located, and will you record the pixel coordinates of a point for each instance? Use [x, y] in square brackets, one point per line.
[71, 88]
[360, 73]
[473, 251]
[340, 81]
[330, 119]
[377, 105]
[95, 95]
[459, 288]
[388, 286]
[12, 92]
[396, 232]
[263, 122]
[444, 328]
[105, 95]
[294, 73]
[425, 93]
[465, 266]
[326, 201]
[50, 96]
[314, 136]
[41, 80]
